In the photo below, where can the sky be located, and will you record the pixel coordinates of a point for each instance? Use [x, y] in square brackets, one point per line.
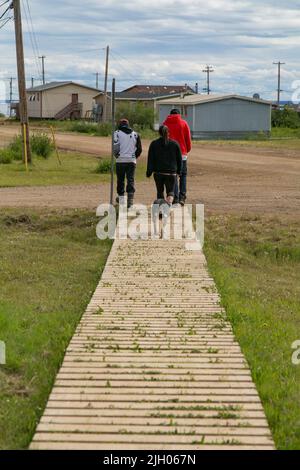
[162, 42]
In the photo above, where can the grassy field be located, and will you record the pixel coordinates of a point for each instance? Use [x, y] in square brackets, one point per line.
[75, 169]
[50, 266]
[281, 138]
[81, 127]
[256, 265]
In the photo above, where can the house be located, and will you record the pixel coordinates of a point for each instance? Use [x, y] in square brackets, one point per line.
[148, 95]
[162, 90]
[221, 116]
[60, 100]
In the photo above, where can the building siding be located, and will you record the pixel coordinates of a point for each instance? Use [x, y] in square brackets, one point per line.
[228, 118]
[54, 100]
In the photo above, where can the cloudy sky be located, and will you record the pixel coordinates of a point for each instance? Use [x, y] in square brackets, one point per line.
[162, 42]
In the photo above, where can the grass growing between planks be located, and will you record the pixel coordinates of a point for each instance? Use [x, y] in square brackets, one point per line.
[256, 264]
[75, 169]
[50, 266]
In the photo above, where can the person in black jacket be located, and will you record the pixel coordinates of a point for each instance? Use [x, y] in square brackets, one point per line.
[165, 161]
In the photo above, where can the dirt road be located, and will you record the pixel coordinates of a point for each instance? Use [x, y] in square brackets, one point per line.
[225, 178]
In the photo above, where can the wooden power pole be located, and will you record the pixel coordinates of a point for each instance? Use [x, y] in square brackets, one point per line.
[97, 80]
[21, 81]
[105, 85]
[279, 90]
[43, 57]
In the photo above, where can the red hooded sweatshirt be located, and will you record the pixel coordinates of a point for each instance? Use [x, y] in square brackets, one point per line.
[179, 130]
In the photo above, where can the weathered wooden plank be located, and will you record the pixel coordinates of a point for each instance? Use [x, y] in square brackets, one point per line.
[154, 363]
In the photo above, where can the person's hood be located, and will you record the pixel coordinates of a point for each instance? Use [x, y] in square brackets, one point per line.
[172, 118]
[127, 130]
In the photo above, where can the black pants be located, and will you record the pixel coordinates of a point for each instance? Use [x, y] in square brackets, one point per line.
[125, 170]
[164, 182]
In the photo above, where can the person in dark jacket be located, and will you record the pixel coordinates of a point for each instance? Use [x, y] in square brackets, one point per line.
[165, 162]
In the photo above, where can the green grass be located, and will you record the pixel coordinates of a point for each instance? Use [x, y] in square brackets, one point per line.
[256, 264]
[75, 169]
[50, 266]
[281, 138]
[82, 127]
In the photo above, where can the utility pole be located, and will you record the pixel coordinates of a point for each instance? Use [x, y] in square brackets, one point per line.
[21, 81]
[32, 82]
[113, 124]
[43, 57]
[279, 64]
[97, 80]
[105, 85]
[11, 94]
[208, 70]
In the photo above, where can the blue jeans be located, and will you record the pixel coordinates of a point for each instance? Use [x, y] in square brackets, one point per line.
[180, 190]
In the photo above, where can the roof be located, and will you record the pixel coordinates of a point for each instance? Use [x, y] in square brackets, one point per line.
[199, 99]
[52, 85]
[122, 95]
[158, 89]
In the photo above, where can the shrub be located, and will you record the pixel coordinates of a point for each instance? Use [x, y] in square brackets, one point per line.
[103, 129]
[16, 148]
[137, 114]
[286, 117]
[5, 156]
[41, 145]
[104, 167]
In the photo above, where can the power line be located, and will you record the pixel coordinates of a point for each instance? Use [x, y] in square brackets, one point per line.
[4, 3]
[3, 14]
[33, 39]
[7, 20]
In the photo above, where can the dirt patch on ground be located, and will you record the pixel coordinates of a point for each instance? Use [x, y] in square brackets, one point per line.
[226, 178]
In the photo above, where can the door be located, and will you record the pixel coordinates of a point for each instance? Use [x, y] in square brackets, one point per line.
[74, 98]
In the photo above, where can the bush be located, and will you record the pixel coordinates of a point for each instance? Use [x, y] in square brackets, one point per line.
[286, 117]
[104, 167]
[138, 115]
[103, 129]
[16, 148]
[5, 157]
[41, 145]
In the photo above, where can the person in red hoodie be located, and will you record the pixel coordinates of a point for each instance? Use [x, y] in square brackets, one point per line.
[180, 132]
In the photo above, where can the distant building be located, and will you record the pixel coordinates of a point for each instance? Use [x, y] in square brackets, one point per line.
[158, 90]
[289, 104]
[148, 95]
[221, 116]
[60, 100]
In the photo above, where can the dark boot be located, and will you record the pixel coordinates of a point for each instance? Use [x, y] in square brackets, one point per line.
[130, 200]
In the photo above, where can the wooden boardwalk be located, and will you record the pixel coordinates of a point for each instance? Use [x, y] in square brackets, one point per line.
[154, 363]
